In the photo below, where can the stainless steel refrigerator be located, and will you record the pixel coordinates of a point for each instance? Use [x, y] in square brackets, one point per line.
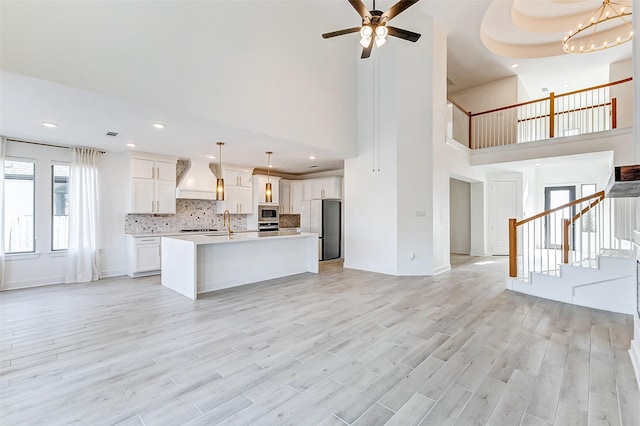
[324, 217]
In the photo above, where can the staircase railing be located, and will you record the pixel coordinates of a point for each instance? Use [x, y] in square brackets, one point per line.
[573, 233]
[588, 110]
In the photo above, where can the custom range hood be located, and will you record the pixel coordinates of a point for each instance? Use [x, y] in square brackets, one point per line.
[197, 182]
[624, 183]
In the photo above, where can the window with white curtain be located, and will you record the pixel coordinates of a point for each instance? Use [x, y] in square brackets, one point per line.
[59, 207]
[19, 206]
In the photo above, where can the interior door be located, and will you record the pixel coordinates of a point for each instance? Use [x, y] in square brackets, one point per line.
[555, 196]
[504, 206]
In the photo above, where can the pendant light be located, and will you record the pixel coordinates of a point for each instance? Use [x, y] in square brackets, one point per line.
[268, 193]
[219, 180]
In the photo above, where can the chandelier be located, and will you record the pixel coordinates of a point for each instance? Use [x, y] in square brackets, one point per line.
[608, 26]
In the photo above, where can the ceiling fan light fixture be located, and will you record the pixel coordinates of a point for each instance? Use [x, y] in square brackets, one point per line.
[380, 41]
[366, 31]
[364, 42]
[381, 31]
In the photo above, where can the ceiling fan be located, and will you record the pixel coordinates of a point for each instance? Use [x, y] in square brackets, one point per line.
[374, 25]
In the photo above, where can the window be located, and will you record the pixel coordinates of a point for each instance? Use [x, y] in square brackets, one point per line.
[19, 192]
[59, 207]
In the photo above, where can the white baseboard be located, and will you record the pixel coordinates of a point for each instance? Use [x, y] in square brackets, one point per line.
[38, 282]
[442, 269]
[369, 267]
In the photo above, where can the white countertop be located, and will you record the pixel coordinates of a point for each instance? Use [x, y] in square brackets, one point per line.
[216, 238]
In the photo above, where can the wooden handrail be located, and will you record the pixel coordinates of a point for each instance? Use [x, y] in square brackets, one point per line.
[454, 103]
[613, 83]
[564, 206]
[513, 226]
[568, 222]
[602, 86]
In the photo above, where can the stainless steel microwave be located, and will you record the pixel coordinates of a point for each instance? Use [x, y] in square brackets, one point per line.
[268, 213]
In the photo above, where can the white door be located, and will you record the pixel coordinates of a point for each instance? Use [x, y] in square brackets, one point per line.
[504, 206]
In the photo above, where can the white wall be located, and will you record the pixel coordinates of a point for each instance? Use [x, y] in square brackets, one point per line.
[460, 213]
[488, 96]
[411, 186]
[114, 184]
[635, 343]
[622, 93]
[569, 176]
[46, 267]
[389, 186]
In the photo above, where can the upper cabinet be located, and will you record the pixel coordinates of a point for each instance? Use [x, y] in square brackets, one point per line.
[291, 196]
[238, 190]
[236, 177]
[329, 187]
[152, 185]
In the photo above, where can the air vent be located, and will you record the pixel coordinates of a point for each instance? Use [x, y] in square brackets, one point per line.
[545, 89]
[112, 133]
[313, 166]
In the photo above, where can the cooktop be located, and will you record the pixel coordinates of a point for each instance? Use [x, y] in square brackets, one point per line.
[199, 230]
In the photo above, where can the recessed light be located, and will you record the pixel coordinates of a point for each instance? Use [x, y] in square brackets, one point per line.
[49, 124]
[514, 65]
[312, 157]
[270, 166]
[131, 145]
[537, 164]
[565, 85]
[159, 125]
[211, 157]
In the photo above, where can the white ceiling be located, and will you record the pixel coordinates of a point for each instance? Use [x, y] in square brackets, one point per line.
[213, 70]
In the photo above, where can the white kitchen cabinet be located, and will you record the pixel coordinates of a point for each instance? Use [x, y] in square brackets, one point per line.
[238, 190]
[285, 197]
[332, 187]
[329, 187]
[296, 197]
[260, 183]
[234, 177]
[152, 186]
[237, 199]
[143, 256]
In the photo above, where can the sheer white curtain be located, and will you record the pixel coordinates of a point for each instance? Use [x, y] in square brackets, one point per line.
[83, 252]
[3, 144]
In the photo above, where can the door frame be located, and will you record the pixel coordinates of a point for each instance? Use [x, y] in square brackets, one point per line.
[547, 229]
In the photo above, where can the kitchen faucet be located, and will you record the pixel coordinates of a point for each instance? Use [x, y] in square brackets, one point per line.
[226, 221]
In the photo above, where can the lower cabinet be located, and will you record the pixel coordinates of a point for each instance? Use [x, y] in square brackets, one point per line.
[143, 256]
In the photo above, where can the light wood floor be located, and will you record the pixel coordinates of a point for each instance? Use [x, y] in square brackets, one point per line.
[339, 347]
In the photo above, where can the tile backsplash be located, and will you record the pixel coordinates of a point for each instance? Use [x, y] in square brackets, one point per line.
[289, 221]
[190, 214]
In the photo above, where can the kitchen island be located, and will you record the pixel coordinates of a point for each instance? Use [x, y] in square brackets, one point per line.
[194, 264]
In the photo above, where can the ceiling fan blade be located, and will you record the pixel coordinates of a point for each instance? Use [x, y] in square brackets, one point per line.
[403, 34]
[397, 8]
[341, 32]
[359, 6]
[366, 52]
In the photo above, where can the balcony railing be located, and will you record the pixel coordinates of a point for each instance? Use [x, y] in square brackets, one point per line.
[590, 110]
